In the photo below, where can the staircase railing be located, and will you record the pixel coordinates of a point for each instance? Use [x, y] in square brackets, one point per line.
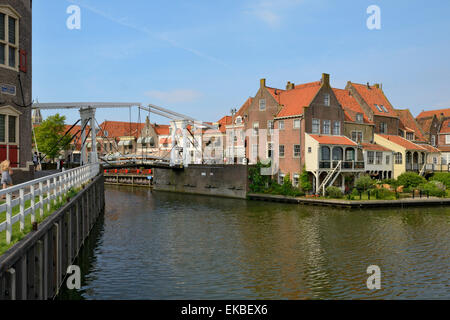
[329, 176]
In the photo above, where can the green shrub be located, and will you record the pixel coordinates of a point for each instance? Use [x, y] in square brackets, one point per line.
[334, 192]
[382, 194]
[355, 192]
[258, 182]
[364, 183]
[410, 179]
[305, 185]
[443, 177]
[434, 188]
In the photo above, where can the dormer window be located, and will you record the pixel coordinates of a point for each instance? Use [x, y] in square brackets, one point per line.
[378, 108]
[239, 120]
[410, 136]
[384, 109]
[326, 100]
[359, 117]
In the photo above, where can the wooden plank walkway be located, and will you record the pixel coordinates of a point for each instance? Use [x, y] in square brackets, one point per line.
[417, 202]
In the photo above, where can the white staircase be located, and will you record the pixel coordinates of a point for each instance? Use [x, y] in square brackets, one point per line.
[422, 171]
[330, 178]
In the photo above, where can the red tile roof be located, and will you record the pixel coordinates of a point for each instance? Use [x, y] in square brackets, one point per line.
[408, 145]
[294, 100]
[161, 129]
[425, 123]
[445, 126]
[118, 129]
[408, 123]
[223, 122]
[375, 96]
[350, 105]
[430, 148]
[275, 92]
[244, 107]
[437, 113]
[374, 147]
[444, 149]
[338, 140]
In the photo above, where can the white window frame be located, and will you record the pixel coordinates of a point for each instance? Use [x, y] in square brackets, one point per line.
[433, 140]
[370, 157]
[334, 127]
[383, 128]
[296, 124]
[359, 118]
[255, 152]
[8, 11]
[255, 131]
[293, 151]
[317, 126]
[270, 127]
[262, 104]
[281, 125]
[323, 126]
[281, 154]
[9, 111]
[410, 134]
[326, 99]
[447, 139]
[378, 107]
[295, 180]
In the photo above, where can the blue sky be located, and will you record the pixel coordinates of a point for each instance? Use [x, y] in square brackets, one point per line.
[202, 58]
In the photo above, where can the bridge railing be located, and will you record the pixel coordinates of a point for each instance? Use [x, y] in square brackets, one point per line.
[40, 192]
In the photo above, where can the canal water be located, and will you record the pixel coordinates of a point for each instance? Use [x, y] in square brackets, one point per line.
[156, 245]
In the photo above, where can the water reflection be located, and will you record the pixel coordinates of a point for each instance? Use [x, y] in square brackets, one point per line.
[173, 246]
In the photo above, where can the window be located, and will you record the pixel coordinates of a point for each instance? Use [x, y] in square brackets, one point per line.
[281, 151]
[447, 139]
[296, 124]
[384, 109]
[336, 128]
[281, 178]
[2, 128]
[270, 127]
[326, 99]
[434, 160]
[9, 42]
[9, 135]
[379, 158]
[281, 125]
[388, 159]
[357, 136]
[383, 127]
[325, 153]
[378, 108]
[309, 149]
[297, 151]
[296, 180]
[315, 126]
[410, 136]
[239, 120]
[254, 151]
[326, 126]
[401, 133]
[350, 154]
[359, 117]
[398, 158]
[269, 150]
[433, 140]
[255, 128]
[370, 157]
[262, 104]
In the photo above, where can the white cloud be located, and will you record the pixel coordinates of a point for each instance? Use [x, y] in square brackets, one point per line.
[174, 96]
[270, 11]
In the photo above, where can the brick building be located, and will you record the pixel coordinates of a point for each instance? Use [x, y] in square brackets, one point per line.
[15, 73]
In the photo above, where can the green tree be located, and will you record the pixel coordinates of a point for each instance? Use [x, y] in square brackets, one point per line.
[305, 185]
[364, 183]
[410, 179]
[49, 133]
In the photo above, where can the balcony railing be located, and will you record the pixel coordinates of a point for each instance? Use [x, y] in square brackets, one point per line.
[437, 167]
[346, 165]
[413, 166]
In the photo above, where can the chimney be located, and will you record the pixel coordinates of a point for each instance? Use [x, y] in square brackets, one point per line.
[262, 83]
[376, 85]
[368, 85]
[326, 79]
[290, 85]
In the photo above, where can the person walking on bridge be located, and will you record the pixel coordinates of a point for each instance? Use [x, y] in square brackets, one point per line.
[6, 174]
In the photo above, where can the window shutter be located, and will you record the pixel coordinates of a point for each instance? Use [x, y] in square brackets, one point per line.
[23, 62]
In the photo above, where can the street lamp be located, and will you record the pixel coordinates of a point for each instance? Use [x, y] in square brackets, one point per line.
[233, 113]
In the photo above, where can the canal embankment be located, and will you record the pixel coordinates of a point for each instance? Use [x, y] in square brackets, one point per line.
[35, 267]
[352, 204]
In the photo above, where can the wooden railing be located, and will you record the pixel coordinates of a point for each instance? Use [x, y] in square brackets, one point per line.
[45, 189]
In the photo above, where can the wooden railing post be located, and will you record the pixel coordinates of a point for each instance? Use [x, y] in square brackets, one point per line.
[48, 195]
[22, 209]
[8, 218]
[33, 203]
[41, 199]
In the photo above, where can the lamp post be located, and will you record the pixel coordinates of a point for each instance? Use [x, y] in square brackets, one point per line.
[233, 113]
